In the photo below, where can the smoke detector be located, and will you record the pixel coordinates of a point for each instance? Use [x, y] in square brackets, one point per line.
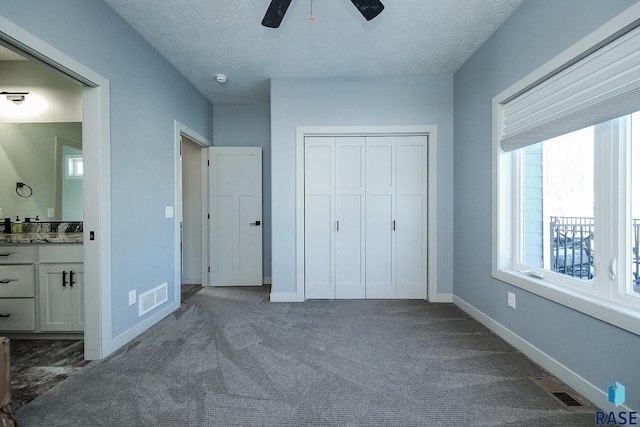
[221, 78]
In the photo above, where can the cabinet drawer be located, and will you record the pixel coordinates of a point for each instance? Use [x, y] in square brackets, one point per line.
[17, 281]
[17, 254]
[18, 314]
[61, 253]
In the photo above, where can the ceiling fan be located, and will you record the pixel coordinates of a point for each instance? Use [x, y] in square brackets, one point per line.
[277, 8]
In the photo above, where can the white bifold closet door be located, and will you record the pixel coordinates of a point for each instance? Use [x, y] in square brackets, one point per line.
[365, 217]
[396, 209]
[334, 217]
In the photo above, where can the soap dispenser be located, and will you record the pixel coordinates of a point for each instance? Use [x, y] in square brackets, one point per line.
[17, 225]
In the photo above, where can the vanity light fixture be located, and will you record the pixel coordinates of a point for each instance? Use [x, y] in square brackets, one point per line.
[15, 97]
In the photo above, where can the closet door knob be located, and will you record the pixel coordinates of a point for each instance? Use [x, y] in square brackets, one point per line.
[255, 223]
[71, 282]
[64, 279]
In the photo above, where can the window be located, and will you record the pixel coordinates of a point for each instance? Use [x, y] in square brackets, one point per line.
[562, 228]
[75, 167]
[557, 191]
[567, 181]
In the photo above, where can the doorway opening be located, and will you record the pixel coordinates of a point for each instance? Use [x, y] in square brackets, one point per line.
[98, 341]
[191, 201]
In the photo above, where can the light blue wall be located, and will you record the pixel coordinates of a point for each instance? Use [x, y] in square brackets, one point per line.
[535, 33]
[147, 95]
[425, 100]
[249, 125]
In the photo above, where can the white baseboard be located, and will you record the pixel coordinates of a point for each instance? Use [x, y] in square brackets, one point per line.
[191, 280]
[131, 333]
[585, 388]
[284, 297]
[440, 298]
[266, 280]
[293, 297]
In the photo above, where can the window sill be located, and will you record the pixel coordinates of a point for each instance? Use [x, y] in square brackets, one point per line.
[610, 312]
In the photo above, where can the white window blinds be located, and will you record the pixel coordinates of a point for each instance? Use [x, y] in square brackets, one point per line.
[600, 87]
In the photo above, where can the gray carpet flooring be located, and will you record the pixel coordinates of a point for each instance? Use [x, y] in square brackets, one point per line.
[228, 357]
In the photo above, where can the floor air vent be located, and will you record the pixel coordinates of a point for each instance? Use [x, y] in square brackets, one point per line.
[558, 391]
[152, 299]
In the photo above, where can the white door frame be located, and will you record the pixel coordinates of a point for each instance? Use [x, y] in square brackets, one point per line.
[432, 209]
[181, 130]
[96, 125]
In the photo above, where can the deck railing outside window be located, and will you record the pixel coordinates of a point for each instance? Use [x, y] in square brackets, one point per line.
[572, 245]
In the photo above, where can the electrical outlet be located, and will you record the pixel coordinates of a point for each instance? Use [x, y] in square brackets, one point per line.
[132, 297]
[50, 213]
[511, 300]
[168, 212]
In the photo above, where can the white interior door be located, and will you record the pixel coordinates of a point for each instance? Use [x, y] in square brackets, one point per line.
[365, 217]
[235, 208]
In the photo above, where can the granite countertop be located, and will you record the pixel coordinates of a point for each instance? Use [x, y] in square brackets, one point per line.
[44, 237]
[44, 232]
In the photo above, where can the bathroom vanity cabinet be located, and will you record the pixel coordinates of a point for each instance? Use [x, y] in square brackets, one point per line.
[17, 288]
[41, 288]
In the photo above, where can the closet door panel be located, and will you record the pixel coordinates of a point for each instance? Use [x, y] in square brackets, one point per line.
[411, 259]
[411, 153]
[380, 266]
[349, 248]
[380, 216]
[350, 196]
[319, 218]
[411, 225]
[318, 248]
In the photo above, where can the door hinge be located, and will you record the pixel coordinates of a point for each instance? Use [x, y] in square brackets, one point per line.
[208, 216]
[209, 269]
[208, 164]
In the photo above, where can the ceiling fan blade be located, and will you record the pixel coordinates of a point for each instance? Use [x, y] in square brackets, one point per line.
[275, 13]
[369, 8]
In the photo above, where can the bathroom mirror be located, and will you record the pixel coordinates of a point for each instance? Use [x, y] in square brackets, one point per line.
[40, 134]
[47, 158]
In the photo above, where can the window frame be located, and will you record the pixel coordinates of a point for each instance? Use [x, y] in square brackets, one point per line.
[608, 303]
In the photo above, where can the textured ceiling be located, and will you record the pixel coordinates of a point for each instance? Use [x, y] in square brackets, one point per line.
[410, 37]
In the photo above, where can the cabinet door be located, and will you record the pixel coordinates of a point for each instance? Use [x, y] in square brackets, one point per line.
[61, 302]
[380, 217]
[77, 298]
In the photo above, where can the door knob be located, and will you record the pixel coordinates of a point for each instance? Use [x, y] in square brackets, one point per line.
[255, 223]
